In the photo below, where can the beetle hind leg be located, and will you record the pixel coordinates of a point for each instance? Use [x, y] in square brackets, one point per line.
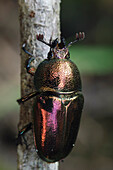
[22, 133]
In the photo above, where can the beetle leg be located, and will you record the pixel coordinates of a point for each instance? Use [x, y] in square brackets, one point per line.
[30, 62]
[23, 47]
[30, 66]
[27, 97]
[22, 133]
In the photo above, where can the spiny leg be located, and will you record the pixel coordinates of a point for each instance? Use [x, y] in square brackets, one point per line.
[22, 133]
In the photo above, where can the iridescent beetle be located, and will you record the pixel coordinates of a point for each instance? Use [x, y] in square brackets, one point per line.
[59, 102]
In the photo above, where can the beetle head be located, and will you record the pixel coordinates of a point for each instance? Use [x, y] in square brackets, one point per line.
[57, 50]
[60, 50]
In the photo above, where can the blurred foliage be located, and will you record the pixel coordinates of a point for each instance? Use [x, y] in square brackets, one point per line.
[93, 56]
[8, 104]
[6, 166]
[93, 60]
[94, 17]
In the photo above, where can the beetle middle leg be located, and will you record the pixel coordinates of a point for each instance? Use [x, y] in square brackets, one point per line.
[27, 97]
[21, 134]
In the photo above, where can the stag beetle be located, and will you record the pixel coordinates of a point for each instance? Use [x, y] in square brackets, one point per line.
[58, 104]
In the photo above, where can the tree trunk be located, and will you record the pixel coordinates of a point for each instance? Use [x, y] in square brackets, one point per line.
[36, 17]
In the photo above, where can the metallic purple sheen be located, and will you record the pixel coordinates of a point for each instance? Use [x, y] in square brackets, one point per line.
[56, 123]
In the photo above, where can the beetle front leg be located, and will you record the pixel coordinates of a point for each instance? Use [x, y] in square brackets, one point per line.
[22, 133]
[30, 62]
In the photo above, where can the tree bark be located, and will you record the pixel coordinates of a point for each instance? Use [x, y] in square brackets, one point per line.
[36, 17]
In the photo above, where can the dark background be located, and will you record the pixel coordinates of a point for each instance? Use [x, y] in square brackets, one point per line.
[94, 58]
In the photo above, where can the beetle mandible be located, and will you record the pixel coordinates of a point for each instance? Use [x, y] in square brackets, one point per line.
[58, 104]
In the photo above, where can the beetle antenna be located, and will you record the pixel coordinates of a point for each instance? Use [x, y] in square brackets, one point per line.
[40, 38]
[79, 36]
